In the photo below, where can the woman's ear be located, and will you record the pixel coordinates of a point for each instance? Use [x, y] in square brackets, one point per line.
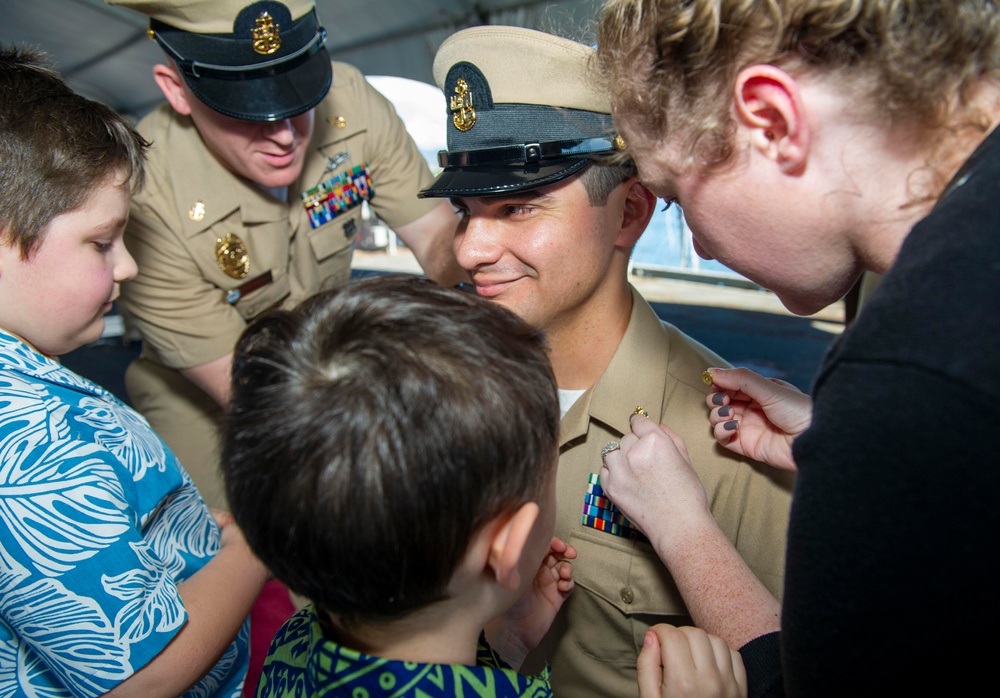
[768, 104]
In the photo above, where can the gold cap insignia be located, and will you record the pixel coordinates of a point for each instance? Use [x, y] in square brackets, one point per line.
[464, 116]
[619, 142]
[267, 35]
[232, 257]
[197, 212]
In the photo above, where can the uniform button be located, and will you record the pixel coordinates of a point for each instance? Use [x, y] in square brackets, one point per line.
[627, 595]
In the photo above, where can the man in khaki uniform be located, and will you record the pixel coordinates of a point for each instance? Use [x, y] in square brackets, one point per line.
[547, 228]
[253, 196]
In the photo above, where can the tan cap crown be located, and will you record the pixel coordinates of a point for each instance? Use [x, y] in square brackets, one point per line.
[524, 66]
[523, 108]
[203, 16]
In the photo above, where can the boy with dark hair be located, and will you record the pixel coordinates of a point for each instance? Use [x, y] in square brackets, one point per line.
[422, 424]
[115, 578]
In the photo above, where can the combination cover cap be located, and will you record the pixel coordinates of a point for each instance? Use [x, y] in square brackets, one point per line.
[523, 111]
[264, 61]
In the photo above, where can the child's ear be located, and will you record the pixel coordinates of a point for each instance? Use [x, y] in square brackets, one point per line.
[509, 540]
[171, 85]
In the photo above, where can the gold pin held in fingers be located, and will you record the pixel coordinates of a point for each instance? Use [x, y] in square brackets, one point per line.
[706, 376]
[640, 411]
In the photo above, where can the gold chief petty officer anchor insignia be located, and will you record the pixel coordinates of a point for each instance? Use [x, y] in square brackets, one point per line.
[266, 37]
[464, 116]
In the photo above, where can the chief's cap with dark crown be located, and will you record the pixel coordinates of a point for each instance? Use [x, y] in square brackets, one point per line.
[263, 61]
[523, 111]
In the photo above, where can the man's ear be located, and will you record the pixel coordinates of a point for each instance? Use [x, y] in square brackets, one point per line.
[171, 84]
[769, 105]
[636, 211]
[509, 539]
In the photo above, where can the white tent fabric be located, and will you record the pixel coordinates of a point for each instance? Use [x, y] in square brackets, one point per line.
[104, 52]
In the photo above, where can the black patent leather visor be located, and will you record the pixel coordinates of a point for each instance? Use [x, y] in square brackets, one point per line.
[267, 95]
[262, 91]
[491, 180]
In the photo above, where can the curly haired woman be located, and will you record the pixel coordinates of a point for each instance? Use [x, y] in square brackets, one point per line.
[808, 141]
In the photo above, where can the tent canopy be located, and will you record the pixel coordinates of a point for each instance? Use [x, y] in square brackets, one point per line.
[104, 52]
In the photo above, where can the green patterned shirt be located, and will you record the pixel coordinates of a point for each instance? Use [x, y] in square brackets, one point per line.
[302, 662]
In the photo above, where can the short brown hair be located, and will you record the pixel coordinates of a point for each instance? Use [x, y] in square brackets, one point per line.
[600, 179]
[375, 429]
[671, 64]
[56, 147]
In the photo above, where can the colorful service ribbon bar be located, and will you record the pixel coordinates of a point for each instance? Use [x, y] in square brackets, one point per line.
[600, 513]
[338, 194]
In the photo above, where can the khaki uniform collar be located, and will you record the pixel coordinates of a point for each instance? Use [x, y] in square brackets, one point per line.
[633, 378]
[197, 176]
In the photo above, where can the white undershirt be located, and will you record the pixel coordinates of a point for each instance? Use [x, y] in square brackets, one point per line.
[568, 398]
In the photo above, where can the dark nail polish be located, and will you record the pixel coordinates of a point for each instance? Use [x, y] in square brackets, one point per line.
[730, 425]
[718, 398]
[724, 411]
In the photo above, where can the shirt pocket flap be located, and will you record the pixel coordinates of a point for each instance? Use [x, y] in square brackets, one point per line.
[335, 236]
[625, 573]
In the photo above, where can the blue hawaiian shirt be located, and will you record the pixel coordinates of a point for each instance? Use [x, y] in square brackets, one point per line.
[98, 525]
[303, 663]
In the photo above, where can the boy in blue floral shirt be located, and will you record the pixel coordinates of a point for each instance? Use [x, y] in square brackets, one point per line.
[114, 576]
[391, 455]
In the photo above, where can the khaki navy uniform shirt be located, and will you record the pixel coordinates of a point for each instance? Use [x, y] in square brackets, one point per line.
[190, 201]
[622, 588]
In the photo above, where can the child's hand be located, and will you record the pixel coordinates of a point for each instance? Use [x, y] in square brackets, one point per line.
[522, 627]
[688, 662]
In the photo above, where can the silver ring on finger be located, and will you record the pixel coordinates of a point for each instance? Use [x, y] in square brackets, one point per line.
[608, 448]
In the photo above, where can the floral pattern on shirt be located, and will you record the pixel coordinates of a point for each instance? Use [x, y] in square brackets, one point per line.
[98, 526]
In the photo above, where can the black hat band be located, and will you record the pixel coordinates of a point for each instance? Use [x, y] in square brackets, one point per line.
[197, 69]
[526, 153]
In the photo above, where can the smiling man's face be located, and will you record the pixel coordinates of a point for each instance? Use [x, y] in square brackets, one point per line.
[544, 254]
[270, 153]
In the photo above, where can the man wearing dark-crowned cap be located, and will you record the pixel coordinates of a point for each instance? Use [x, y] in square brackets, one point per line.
[253, 199]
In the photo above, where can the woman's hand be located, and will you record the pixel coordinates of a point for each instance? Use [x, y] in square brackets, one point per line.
[651, 480]
[757, 417]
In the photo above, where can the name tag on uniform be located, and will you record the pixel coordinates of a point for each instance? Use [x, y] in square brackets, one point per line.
[600, 513]
[340, 193]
